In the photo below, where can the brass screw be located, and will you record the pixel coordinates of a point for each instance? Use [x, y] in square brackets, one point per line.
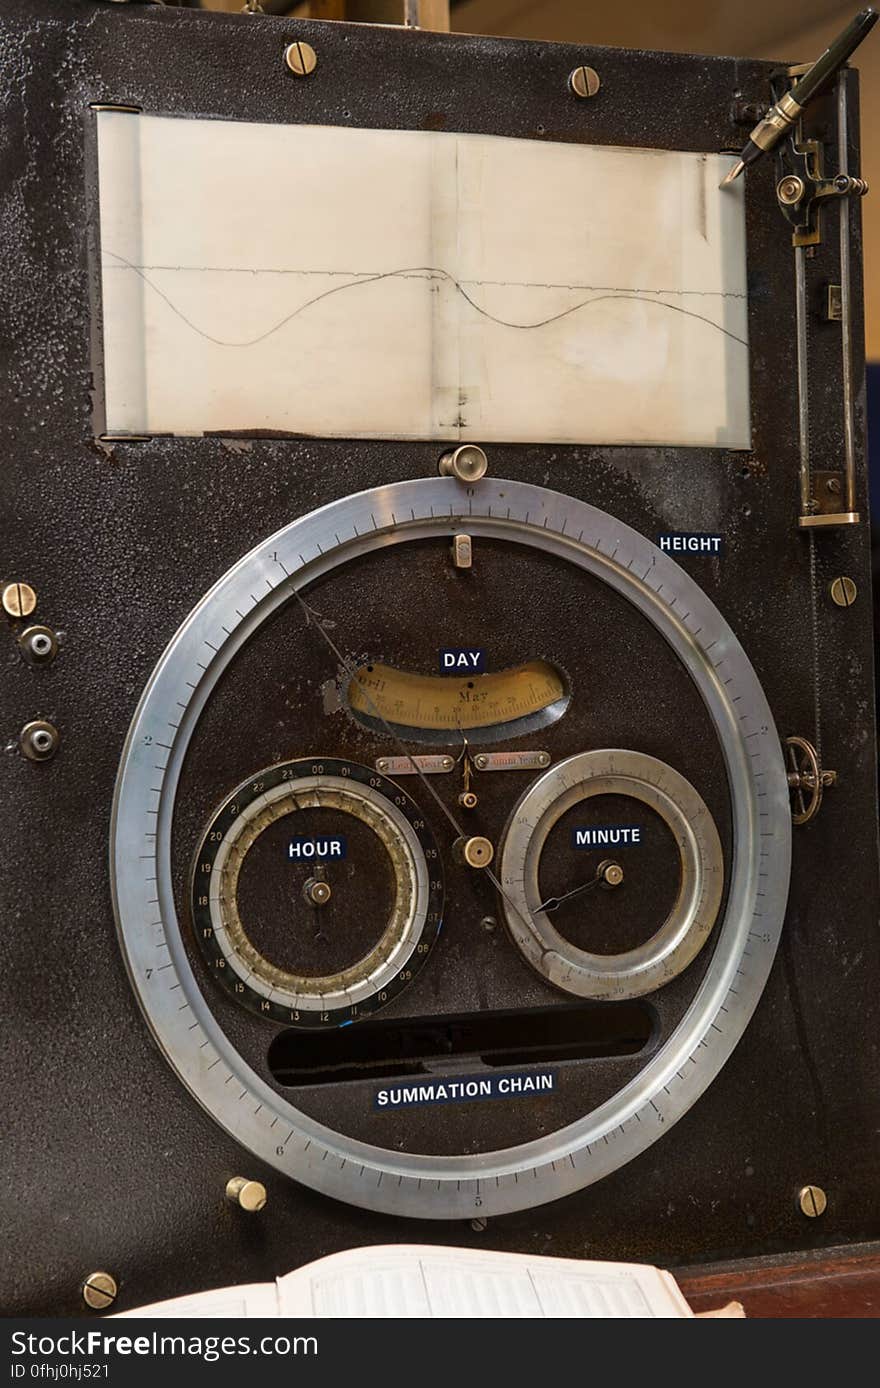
[843, 591]
[481, 761]
[99, 1290]
[18, 599]
[301, 58]
[468, 800]
[382, 764]
[584, 82]
[812, 1201]
[248, 1195]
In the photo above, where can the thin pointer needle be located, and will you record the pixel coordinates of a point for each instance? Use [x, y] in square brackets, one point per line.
[313, 618]
[554, 902]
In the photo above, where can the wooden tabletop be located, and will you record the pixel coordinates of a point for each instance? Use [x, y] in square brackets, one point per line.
[826, 1283]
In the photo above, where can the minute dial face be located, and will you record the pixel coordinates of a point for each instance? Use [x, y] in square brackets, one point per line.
[448, 890]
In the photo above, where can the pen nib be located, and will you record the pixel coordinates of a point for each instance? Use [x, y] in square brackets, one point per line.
[732, 174]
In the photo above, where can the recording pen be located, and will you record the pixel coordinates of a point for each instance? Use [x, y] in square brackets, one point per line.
[787, 110]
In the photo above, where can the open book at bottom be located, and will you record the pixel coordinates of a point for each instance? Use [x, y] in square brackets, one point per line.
[422, 1282]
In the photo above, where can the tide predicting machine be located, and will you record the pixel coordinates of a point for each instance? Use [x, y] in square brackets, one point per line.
[437, 648]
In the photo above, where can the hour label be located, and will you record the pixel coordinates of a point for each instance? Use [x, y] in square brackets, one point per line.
[690, 542]
[606, 836]
[301, 848]
[457, 659]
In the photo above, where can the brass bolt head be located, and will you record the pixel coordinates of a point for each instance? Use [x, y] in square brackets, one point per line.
[99, 1290]
[18, 599]
[812, 1201]
[843, 591]
[301, 58]
[39, 740]
[38, 644]
[584, 82]
[248, 1195]
[467, 800]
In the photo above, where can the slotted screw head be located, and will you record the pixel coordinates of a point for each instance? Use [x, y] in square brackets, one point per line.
[301, 58]
[99, 1290]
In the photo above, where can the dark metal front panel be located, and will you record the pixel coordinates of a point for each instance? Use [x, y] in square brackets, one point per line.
[112, 1163]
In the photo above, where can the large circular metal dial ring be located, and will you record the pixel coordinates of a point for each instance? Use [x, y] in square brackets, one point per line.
[204, 1057]
[679, 938]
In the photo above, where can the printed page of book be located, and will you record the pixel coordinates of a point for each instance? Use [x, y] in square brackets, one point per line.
[252, 1301]
[339, 282]
[415, 1281]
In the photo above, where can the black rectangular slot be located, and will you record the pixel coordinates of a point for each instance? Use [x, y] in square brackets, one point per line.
[414, 1046]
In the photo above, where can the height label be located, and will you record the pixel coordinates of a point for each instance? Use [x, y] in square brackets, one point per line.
[606, 836]
[459, 660]
[690, 542]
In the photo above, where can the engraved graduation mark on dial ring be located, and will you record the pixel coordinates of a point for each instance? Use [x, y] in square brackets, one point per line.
[675, 1075]
[403, 940]
[678, 939]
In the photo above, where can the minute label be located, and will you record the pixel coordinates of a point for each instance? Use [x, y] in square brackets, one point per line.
[606, 835]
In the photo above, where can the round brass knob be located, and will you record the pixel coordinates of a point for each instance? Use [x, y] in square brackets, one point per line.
[248, 1195]
[467, 463]
[475, 852]
[790, 190]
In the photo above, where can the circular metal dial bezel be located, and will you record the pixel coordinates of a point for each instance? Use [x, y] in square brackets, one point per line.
[678, 940]
[405, 940]
[200, 1052]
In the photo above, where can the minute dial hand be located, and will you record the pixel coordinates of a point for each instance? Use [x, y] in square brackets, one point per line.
[609, 873]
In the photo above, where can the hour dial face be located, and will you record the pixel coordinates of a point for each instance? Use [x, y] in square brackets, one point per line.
[317, 892]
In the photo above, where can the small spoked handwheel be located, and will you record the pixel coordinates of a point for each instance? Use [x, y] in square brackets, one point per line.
[806, 779]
